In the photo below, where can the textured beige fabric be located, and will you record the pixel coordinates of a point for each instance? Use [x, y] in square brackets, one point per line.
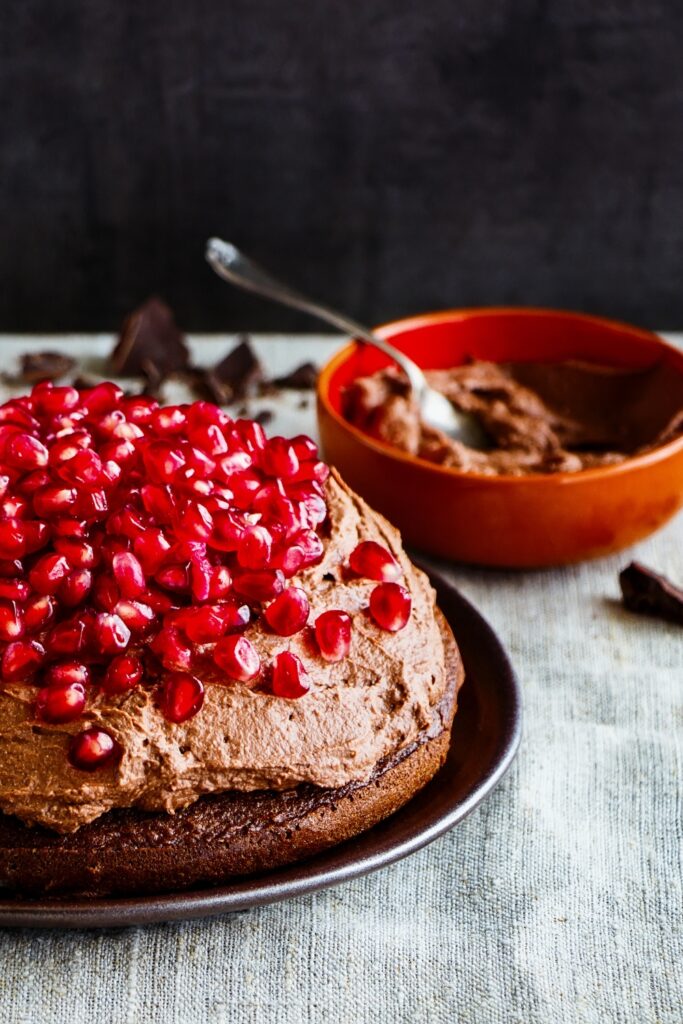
[560, 899]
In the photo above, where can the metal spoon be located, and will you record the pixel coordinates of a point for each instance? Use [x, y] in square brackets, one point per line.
[435, 409]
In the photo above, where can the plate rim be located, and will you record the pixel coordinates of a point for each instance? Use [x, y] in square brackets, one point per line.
[262, 890]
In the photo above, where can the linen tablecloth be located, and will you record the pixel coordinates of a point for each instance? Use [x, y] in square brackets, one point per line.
[559, 899]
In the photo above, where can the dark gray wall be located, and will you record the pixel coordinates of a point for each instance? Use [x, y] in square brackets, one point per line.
[389, 155]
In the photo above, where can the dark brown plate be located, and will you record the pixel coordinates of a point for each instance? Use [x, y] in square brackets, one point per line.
[486, 734]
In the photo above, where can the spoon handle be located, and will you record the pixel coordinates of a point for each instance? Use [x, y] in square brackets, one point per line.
[232, 265]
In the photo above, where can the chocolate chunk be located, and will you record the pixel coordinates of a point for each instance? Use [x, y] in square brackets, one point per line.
[151, 345]
[303, 378]
[38, 366]
[264, 416]
[239, 373]
[647, 592]
[212, 387]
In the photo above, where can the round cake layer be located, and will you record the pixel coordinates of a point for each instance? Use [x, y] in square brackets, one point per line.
[358, 712]
[224, 835]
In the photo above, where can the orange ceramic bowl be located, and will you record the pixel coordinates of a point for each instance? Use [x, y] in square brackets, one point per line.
[527, 521]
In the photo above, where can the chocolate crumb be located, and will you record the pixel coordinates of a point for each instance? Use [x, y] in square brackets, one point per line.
[39, 366]
[240, 373]
[214, 387]
[83, 382]
[264, 416]
[304, 403]
[303, 378]
[150, 345]
[648, 593]
[242, 411]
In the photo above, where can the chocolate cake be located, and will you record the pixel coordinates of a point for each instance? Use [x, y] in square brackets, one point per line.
[214, 657]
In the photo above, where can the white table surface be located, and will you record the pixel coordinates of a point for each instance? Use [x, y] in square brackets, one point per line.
[560, 899]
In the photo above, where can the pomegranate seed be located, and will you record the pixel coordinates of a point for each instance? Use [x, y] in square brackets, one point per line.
[244, 487]
[390, 605]
[290, 559]
[123, 674]
[238, 657]
[13, 507]
[123, 453]
[205, 624]
[374, 562]
[289, 679]
[228, 531]
[174, 577]
[200, 462]
[66, 673]
[169, 420]
[19, 537]
[13, 412]
[52, 501]
[151, 548]
[21, 659]
[170, 649]
[128, 574]
[101, 398]
[39, 611]
[279, 458]
[289, 612]
[139, 409]
[51, 400]
[92, 504]
[93, 748]
[47, 574]
[67, 447]
[11, 621]
[14, 590]
[157, 600]
[162, 461]
[305, 449]
[66, 638]
[63, 702]
[158, 502]
[182, 695]
[34, 481]
[259, 586]
[333, 633]
[84, 468]
[66, 527]
[252, 434]
[105, 592]
[111, 633]
[136, 615]
[201, 413]
[78, 553]
[25, 452]
[254, 548]
[75, 587]
[194, 522]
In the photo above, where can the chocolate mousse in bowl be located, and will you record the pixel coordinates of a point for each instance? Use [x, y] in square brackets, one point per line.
[584, 418]
[215, 658]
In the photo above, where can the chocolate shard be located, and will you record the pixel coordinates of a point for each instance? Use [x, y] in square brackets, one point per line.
[264, 417]
[239, 373]
[39, 366]
[645, 591]
[303, 378]
[150, 344]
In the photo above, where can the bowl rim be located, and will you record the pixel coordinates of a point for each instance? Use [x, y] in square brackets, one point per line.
[392, 328]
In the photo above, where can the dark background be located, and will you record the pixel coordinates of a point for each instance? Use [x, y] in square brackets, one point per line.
[388, 156]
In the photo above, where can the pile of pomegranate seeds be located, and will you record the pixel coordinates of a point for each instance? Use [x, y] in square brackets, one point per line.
[131, 535]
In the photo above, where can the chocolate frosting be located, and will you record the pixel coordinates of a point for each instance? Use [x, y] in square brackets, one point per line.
[369, 706]
[541, 417]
